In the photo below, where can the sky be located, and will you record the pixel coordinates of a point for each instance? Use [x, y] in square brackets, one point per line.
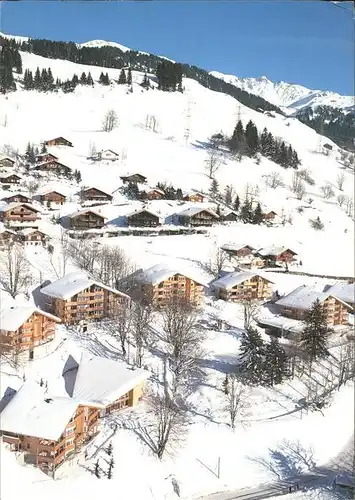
[304, 42]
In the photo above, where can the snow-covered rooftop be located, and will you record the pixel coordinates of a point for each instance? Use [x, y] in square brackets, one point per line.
[234, 247]
[233, 279]
[287, 324]
[140, 210]
[12, 205]
[13, 316]
[73, 283]
[343, 291]
[274, 250]
[34, 412]
[189, 212]
[161, 272]
[85, 211]
[304, 297]
[101, 381]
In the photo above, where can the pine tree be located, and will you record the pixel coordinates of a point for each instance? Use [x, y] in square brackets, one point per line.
[214, 189]
[252, 356]
[179, 195]
[37, 81]
[237, 142]
[225, 384]
[236, 204]
[97, 469]
[30, 153]
[258, 215]
[275, 363]
[43, 148]
[75, 80]
[315, 334]
[129, 77]
[252, 139]
[109, 449]
[83, 79]
[122, 78]
[77, 176]
[145, 82]
[246, 212]
[89, 80]
[110, 468]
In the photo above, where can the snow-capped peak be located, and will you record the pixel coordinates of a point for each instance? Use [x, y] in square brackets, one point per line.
[287, 95]
[103, 43]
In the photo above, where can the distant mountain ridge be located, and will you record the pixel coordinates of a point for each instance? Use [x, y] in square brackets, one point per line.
[289, 96]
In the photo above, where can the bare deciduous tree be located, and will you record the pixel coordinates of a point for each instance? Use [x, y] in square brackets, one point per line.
[237, 396]
[251, 308]
[120, 325]
[328, 191]
[32, 187]
[340, 180]
[305, 175]
[218, 258]
[341, 198]
[169, 425]
[105, 263]
[297, 186]
[184, 340]
[213, 162]
[151, 123]
[110, 121]
[15, 276]
[273, 180]
[141, 319]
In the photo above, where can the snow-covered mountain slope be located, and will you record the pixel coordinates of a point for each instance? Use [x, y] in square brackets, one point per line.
[103, 43]
[164, 156]
[289, 96]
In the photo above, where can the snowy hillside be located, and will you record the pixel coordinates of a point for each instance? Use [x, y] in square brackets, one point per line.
[290, 97]
[164, 155]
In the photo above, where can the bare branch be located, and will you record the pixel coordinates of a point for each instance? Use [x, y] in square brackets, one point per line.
[15, 276]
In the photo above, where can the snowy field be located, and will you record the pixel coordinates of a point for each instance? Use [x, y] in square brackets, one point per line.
[163, 156]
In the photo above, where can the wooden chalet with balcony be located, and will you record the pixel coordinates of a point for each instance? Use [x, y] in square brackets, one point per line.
[7, 237]
[238, 250]
[197, 216]
[193, 196]
[276, 256]
[229, 216]
[270, 216]
[17, 198]
[53, 166]
[155, 194]
[20, 214]
[24, 327]
[343, 290]
[86, 219]
[58, 141]
[162, 286]
[78, 298]
[32, 237]
[7, 162]
[134, 179]
[95, 194]
[10, 179]
[45, 428]
[52, 198]
[296, 304]
[243, 286]
[46, 157]
[143, 218]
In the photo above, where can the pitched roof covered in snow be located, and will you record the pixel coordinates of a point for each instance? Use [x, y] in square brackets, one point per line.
[34, 412]
[304, 297]
[73, 283]
[161, 272]
[85, 211]
[343, 291]
[140, 210]
[274, 250]
[11, 206]
[101, 381]
[191, 211]
[13, 316]
[231, 280]
[234, 247]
